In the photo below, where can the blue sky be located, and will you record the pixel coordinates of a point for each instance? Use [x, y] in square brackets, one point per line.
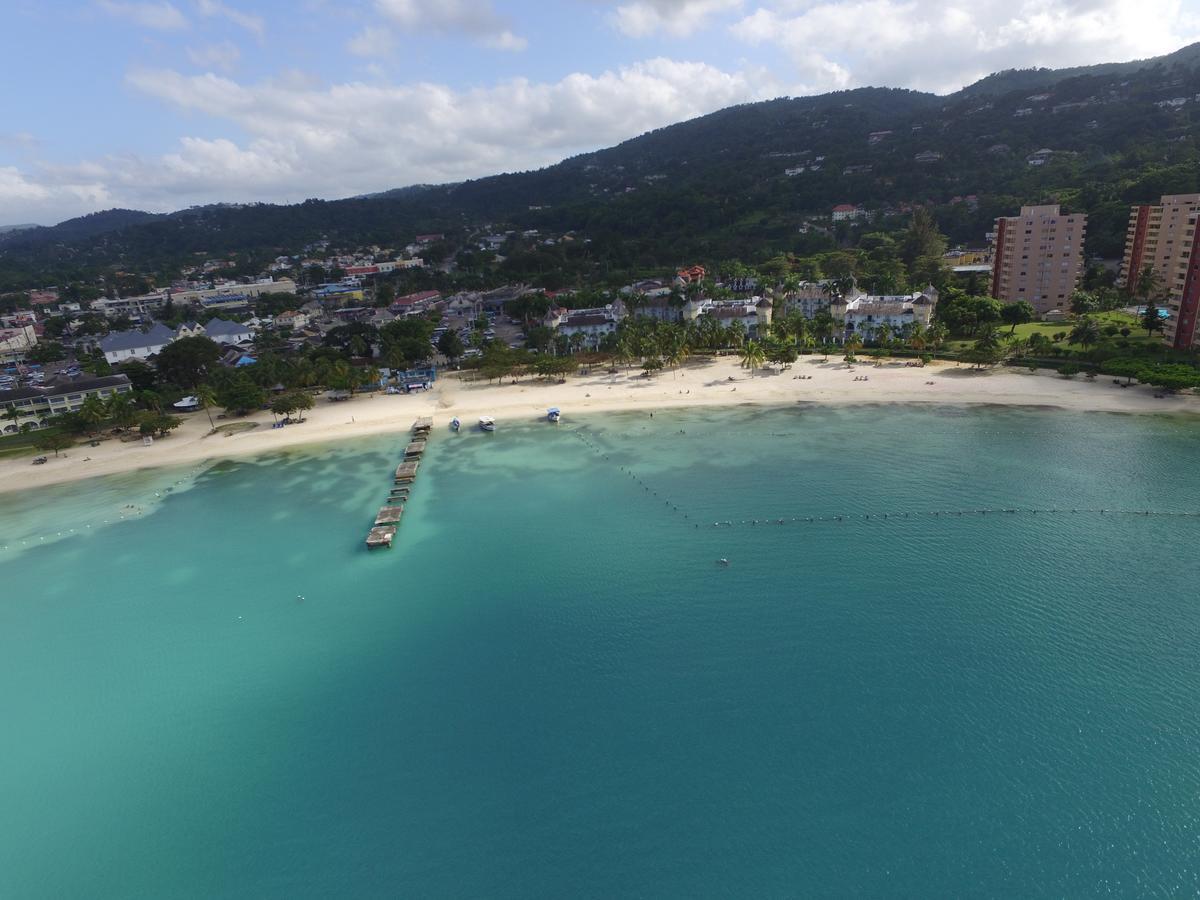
[162, 104]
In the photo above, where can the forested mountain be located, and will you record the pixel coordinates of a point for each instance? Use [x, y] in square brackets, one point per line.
[717, 187]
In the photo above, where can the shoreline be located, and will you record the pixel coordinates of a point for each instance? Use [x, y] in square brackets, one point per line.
[711, 383]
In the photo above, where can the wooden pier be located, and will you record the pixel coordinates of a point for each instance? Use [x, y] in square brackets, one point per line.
[381, 537]
[384, 531]
[389, 515]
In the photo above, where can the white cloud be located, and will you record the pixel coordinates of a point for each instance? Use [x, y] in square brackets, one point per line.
[506, 40]
[353, 138]
[374, 40]
[939, 46]
[161, 16]
[676, 17]
[223, 56]
[474, 18]
[216, 9]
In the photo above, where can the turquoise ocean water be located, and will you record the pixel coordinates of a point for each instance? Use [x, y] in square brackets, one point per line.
[550, 688]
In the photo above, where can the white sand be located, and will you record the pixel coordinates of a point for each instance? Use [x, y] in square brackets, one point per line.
[702, 383]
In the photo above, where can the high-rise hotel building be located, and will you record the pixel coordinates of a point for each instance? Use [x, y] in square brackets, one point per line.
[1165, 237]
[1038, 256]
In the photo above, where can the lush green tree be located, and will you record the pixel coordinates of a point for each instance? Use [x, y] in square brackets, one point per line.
[1151, 320]
[652, 366]
[141, 376]
[1014, 314]
[241, 395]
[55, 441]
[46, 352]
[450, 345]
[1170, 376]
[1084, 303]
[1125, 367]
[188, 361]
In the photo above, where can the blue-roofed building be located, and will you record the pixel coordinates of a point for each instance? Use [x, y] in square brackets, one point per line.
[226, 332]
[118, 346]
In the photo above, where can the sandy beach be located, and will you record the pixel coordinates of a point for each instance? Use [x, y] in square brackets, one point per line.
[701, 383]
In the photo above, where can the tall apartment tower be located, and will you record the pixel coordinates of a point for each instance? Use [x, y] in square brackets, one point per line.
[1182, 284]
[1038, 256]
[1154, 236]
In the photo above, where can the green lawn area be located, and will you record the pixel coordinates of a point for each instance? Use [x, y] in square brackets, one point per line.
[1137, 339]
[17, 445]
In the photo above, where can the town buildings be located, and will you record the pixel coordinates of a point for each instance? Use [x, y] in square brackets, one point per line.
[16, 341]
[866, 314]
[592, 324]
[1037, 256]
[42, 403]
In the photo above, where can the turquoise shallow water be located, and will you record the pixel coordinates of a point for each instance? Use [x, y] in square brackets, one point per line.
[548, 688]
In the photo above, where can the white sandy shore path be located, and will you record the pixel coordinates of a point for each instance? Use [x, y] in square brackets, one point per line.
[702, 383]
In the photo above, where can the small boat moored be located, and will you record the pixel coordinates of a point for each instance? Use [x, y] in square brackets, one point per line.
[553, 414]
[487, 423]
[455, 424]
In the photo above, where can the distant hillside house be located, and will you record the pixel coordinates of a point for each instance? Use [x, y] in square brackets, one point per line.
[118, 346]
[846, 212]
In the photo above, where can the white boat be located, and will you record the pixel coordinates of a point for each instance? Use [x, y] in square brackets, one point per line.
[487, 423]
[455, 424]
[553, 414]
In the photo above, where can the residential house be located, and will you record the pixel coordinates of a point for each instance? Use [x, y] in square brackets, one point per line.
[225, 332]
[292, 319]
[118, 346]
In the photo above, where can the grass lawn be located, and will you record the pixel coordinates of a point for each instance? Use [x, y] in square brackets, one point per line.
[23, 444]
[1137, 340]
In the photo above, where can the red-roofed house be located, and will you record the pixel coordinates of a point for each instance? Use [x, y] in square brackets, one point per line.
[846, 212]
[414, 303]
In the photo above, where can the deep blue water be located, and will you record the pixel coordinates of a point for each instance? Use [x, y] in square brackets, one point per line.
[550, 688]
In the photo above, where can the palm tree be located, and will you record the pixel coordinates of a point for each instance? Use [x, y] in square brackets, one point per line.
[853, 343]
[92, 413]
[989, 338]
[1086, 332]
[753, 356]
[207, 397]
[917, 337]
[120, 410]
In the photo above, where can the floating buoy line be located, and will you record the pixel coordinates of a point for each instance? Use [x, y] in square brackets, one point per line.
[889, 516]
